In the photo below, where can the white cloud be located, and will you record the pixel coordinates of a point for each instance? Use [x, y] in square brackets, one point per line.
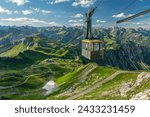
[78, 15]
[142, 23]
[76, 22]
[83, 3]
[24, 12]
[37, 10]
[3, 10]
[18, 2]
[100, 21]
[27, 12]
[72, 21]
[137, 24]
[131, 15]
[121, 15]
[58, 1]
[46, 11]
[27, 21]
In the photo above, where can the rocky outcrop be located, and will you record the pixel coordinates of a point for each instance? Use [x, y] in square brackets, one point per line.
[130, 86]
[144, 76]
[145, 95]
[129, 56]
[125, 87]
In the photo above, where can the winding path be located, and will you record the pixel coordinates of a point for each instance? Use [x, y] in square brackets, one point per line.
[98, 84]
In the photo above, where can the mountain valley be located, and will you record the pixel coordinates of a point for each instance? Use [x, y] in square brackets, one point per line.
[34, 58]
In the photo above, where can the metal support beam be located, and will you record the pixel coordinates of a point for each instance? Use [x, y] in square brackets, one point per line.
[134, 16]
[89, 15]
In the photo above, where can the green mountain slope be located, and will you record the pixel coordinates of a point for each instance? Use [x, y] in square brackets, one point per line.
[42, 44]
[52, 56]
[102, 83]
[27, 83]
[37, 43]
[14, 51]
[34, 49]
[80, 80]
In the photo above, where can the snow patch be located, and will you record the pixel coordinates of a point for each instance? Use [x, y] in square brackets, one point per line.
[49, 87]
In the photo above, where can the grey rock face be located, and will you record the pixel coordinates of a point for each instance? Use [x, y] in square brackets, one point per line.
[130, 86]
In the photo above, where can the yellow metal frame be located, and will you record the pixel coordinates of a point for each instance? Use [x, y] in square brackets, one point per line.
[91, 41]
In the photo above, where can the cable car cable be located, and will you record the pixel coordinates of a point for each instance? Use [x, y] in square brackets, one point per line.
[130, 4]
[99, 3]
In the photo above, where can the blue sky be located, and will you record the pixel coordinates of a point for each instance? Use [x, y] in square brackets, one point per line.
[71, 12]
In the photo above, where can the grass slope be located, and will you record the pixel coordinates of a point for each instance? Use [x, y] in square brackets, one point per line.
[77, 81]
[111, 89]
[14, 51]
[36, 76]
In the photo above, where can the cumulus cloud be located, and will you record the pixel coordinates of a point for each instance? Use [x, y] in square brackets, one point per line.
[46, 11]
[121, 15]
[137, 24]
[142, 23]
[76, 22]
[83, 3]
[58, 1]
[32, 11]
[24, 12]
[100, 21]
[78, 15]
[37, 10]
[27, 12]
[4, 10]
[28, 21]
[72, 21]
[18, 2]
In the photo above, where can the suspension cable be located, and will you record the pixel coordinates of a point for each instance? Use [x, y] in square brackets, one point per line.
[99, 3]
[130, 4]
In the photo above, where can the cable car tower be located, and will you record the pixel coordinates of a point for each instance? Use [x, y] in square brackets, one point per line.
[92, 48]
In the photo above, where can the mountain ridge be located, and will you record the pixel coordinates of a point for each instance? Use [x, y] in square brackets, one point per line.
[124, 48]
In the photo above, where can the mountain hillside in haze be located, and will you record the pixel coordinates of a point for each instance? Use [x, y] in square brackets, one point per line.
[124, 48]
[34, 48]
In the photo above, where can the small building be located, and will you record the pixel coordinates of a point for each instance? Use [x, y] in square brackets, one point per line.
[93, 50]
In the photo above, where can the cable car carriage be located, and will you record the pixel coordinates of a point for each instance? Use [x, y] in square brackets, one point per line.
[92, 48]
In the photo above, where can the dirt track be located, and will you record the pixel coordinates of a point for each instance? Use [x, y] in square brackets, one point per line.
[98, 84]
